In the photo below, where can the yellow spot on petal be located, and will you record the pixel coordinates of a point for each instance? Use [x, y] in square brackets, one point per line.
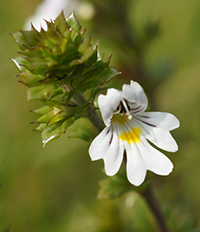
[132, 136]
[119, 118]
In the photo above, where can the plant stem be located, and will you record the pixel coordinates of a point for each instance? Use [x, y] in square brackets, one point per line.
[150, 198]
[93, 116]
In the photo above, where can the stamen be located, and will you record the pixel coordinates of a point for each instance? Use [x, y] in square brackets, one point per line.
[126, 109]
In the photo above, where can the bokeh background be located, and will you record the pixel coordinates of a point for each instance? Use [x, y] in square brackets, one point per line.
[54, 188]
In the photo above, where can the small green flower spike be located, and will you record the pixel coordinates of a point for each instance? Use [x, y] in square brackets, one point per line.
[58, 66]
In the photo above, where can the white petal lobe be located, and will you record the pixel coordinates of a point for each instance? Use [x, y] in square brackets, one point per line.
[100, 144]
[113, 156]
[161, 138]
[136, 167]
[135, 93]
[165, 121]
[108, 104]
[155, 160]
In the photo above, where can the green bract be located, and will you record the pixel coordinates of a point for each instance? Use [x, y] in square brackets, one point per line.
[58, 66]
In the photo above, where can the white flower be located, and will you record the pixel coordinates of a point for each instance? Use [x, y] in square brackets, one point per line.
[128, 128]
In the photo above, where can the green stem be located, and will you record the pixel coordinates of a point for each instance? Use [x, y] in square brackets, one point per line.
[93, 116]
[150, 198]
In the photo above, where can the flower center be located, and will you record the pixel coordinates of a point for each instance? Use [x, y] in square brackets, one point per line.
[124, 109]
[120, 118]
[122, 113]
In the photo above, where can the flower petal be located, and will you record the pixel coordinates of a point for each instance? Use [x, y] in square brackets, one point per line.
[155, 161]
[134, 93]
[107, 146]
[100, 144]
[165, 121]
[161, 138]
[108, 104]
[136, 167]
[114, 155]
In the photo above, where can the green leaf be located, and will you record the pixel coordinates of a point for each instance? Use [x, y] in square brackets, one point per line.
[115, 186]
[41, 127]
[21, 63]
[44, 92]
[46, 118]
[51, 133]
[43, 110]
[92, 59]
[82, 129]
[67, 124]
[54, 131]
[96, 91]
[74, 25]
[21, 41]
[31, 37]
[108, 74]
[36, 93]
[59, 117]
[61, 23]
[29, 79]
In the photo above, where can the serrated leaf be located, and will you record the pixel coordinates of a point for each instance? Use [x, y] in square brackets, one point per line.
[93, 83]
[21, 63]
[46, 118]
[43, 110]
[87, 53]
[74, 25]
[67, 124]
[58, 117]
[21, 41]
[44, 92]
[51, 133]
[41, 127]
[108, 74]
[31, 37]
[92, 59]
[84, 45]
[29, 79]
[61, 23]
[35, 93]
[54, 131]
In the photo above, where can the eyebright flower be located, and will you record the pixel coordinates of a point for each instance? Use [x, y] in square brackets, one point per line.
[128, 127]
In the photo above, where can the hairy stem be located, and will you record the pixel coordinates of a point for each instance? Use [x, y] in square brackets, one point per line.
[150, 198]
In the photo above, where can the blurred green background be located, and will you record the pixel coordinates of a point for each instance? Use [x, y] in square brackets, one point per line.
[54, 188]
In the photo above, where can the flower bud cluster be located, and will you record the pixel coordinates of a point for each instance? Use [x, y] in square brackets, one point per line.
[56, 64]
